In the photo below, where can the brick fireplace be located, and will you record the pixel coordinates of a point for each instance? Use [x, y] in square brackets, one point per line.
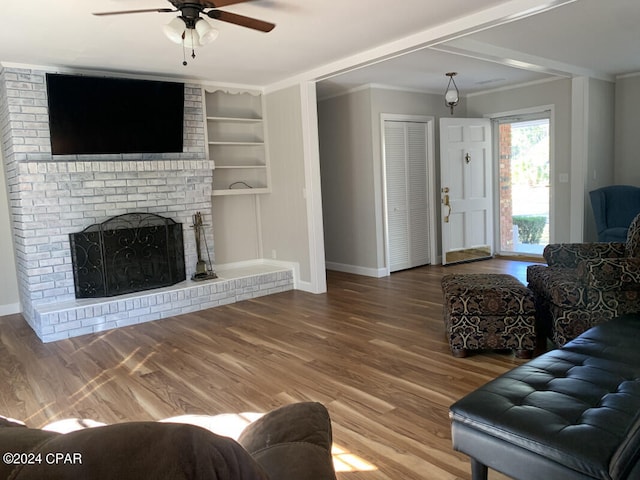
[52, 196]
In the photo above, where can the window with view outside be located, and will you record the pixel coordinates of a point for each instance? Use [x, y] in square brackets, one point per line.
[523, 148]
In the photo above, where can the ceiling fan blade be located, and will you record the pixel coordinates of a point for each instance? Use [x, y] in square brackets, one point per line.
[241, 20]
[220, 3]
[123, 12]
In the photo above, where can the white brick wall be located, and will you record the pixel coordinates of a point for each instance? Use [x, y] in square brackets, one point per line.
[59, 200]
[51, 197]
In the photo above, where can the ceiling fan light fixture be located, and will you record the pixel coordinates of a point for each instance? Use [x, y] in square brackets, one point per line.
[452, 94]
[190, 30]
[206, 33]
[191, 38]
[174, 30]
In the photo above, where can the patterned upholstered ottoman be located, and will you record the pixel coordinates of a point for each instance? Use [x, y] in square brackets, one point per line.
[488, 311]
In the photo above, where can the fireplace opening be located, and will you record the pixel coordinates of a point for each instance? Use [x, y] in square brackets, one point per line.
[127, 253]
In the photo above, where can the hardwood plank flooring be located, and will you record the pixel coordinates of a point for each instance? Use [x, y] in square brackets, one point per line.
[372, 350]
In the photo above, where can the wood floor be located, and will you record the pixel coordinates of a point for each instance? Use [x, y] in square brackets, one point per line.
[371, 350]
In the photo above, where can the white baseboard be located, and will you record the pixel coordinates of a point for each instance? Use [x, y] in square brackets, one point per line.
[305, 287]
[295, 266]
[10, 309]
[356, 270]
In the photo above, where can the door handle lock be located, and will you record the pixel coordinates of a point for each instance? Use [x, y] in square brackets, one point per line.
[445, 202]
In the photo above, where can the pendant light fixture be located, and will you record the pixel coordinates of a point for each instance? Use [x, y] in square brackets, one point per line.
[452, 95]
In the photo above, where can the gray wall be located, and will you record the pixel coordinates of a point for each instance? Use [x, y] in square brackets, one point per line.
[351, 158]
[600, 150]
[283, 213]
[351, 171]
[346, 170]
[9, 296]
[627, 135]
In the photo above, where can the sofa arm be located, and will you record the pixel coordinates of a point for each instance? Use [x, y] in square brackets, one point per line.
[292, 442]
[610, 273]
[16, 437]
[568, 255]
[137, 450]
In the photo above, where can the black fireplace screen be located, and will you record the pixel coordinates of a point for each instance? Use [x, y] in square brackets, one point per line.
[127, 253]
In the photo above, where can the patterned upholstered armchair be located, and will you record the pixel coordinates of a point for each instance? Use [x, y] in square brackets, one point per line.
[584, 284]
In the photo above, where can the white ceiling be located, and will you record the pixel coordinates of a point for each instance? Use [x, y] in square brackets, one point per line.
[482, 40]
[586, 37]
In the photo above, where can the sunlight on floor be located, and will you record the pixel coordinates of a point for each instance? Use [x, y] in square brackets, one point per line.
[227, 424]
[343, 461]
[71, 425]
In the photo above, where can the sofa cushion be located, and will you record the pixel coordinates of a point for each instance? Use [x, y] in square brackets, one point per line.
[17, 438]
[136, 450]
[568, 255]
[301, 433]
[610, 273]
[559, 284]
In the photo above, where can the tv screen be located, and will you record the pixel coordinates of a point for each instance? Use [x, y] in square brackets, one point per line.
[103, 115]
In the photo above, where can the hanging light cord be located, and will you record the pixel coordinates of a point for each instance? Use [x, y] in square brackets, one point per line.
[184, 48]
[184, 52]
[193, 51]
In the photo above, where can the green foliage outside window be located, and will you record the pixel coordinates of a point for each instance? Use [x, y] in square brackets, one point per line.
[530, 227]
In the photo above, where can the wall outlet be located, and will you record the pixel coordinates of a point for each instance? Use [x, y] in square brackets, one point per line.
[274, 254]
[563, 178]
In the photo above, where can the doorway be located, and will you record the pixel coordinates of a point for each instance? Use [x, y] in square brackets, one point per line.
[523, 166]
[466, 189]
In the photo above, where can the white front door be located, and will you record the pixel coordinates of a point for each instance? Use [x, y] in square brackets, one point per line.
[466, 192]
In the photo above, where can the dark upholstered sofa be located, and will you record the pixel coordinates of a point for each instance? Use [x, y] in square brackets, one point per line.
[572, 413]
[584, 284]
[289, 443]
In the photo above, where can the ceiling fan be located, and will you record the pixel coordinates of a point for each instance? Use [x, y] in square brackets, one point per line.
[190, 29]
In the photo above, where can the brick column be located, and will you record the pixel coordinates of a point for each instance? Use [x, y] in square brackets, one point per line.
[506, 223]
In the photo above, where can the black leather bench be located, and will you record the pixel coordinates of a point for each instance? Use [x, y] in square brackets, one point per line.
[572, 413]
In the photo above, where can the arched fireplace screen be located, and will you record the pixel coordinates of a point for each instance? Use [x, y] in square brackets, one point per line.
[127, 253]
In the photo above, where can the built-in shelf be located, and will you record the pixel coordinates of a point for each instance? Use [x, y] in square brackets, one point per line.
[234, 120]
[236, 143]
[235, 137]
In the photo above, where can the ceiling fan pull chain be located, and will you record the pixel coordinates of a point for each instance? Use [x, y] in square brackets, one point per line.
[193, 48]
[184, 52]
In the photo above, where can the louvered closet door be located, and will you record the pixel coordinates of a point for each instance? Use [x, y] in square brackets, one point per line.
[407, 194]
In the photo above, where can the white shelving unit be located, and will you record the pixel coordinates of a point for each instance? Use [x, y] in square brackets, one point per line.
[235, 136]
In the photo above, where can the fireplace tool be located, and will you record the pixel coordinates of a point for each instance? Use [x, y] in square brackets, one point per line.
[204, 271]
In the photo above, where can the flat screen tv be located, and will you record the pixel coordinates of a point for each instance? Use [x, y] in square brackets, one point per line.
[104, 115]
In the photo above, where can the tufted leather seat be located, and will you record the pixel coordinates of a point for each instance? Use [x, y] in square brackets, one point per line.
[572, 413]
